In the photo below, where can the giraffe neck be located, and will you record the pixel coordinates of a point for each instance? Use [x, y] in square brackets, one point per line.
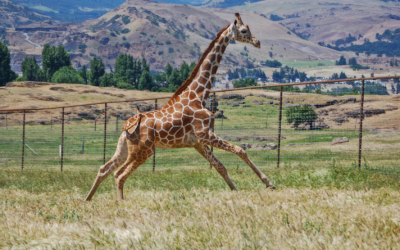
[202, 82]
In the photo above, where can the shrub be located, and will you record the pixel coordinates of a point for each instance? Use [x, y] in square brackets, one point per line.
[67, 74]
[126, 20]
[125, 31]
[300, 114]
[276, 18]
[273, 64]
[171, 50]
[160, 52]
[124, 85]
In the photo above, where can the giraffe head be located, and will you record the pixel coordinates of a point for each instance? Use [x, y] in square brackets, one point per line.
[241, 33]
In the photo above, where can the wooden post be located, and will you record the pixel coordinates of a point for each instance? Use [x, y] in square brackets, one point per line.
[83, 144]
[62, 141]
[23, 143]
[279, 129]
[361, 124]
[105, 133]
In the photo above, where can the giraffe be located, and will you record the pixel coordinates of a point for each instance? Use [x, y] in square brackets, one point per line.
[183, 123]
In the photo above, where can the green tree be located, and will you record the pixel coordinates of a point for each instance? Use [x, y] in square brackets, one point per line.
[342, 61]
[6, 74]
[67, 74]
[300, 114]
[83, 74]
[96, 71]
[145, 66]
[146, 81]
[175, 78]
[168, 70]
[31, 70]
[53, 59]
[108, 80]
[184, 71]
[352, 61]
[241, 83]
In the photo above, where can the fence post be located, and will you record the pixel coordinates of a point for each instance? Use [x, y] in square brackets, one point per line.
[154, 153]
[361, 124]
[6, 123]
[116, 124]
[212, 122]
[95, 123]
[23, 142]
[279, 129]
[222, 123]
[83, 144]
[51, 123]
[105, 132]
[266, 120]
[62, 141]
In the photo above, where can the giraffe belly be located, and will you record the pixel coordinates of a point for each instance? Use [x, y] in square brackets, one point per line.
[188, 141]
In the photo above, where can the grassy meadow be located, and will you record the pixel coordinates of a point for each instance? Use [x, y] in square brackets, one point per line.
[322, 201]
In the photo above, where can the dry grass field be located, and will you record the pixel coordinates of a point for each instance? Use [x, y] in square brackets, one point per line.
[322, 200]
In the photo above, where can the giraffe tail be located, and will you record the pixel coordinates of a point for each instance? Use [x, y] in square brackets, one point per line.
[132, 127]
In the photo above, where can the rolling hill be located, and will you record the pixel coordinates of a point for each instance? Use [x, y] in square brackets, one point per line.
[12, 15]
[172, 33]
[327, 22]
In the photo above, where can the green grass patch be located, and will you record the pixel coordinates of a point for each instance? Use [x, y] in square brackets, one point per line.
[308, 64]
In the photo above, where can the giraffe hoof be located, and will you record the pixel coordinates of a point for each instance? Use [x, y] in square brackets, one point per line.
[270, 186]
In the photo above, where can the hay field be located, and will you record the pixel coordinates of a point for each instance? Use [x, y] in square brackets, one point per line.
[322, 200]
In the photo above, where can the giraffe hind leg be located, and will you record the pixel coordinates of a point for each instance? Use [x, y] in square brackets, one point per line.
[136, 158]
[206, 153]
[120, 156]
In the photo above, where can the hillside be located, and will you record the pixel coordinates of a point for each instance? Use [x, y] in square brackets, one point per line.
[12, 15]
[56, 95]
[170, 33]
[327, 22]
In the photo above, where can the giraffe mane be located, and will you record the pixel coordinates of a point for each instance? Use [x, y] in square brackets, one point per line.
[196, 69]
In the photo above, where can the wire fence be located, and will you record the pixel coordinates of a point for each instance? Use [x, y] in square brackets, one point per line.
[276, 128]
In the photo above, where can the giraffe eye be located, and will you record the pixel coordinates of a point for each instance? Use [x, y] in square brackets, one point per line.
[243, 31]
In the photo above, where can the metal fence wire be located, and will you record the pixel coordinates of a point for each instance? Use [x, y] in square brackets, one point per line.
[275, 128]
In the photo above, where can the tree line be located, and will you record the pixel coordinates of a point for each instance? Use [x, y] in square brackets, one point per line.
[242, 73]
[129, 72]
[388, 43]
[286, 74]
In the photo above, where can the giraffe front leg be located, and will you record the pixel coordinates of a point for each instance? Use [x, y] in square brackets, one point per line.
[211, 139]
[206, 153]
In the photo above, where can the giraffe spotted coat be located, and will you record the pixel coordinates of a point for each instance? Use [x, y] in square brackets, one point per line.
[183, 123]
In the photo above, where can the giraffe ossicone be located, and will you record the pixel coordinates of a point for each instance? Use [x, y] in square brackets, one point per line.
[183, 123]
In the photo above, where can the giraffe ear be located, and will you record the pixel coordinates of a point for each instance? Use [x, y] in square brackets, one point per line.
[238, 19]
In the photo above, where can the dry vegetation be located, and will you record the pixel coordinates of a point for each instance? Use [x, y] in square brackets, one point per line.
[202, 219]
[322, 201]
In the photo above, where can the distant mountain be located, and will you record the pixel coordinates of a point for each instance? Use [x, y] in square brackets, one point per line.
[12, 14]
[79, 11]
[227, 3]
[165, 33]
